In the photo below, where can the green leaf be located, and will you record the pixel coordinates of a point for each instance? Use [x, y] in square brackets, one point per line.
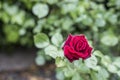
[71, 1]
[106, 60]
[81, 9]
[11, 10]
[113, 19]
[68, 7]
[60, 75]
[117, 2]
[91, 62]
[67, 23]
[68, 72]
[29, 23]
[76, 77]
[57, 39]
[87, 21]
[82, 68]
[109, 40]
[11, 33]
[52, 1]
[96, 68]
[59, 62]
[52, 51]
[98, 53]
[60, 53]
[40, 60]
[41, 40]
[100, 76]
[112, 68]
[40, 52]
[18, 18]
[22, 31]
[103, 73]
[13, 37]
[40, 10]
[94, 75]
[100, 22]
[77, 63]
[37, 29]
[118, 73]
[117, 62]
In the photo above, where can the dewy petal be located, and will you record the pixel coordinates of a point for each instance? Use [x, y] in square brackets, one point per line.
[68, 40]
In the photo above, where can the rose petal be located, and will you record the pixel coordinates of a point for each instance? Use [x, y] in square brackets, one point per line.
[70, 54]
[67, 53]
[74, 41]
[88, 53]
[78, 42]
[83, 46]
[68, 40]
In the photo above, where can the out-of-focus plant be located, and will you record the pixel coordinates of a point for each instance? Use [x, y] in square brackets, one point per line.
[16, 24]
[99, 20]
[97, 67]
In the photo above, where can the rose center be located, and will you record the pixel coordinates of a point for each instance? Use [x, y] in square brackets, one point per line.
[79, 46]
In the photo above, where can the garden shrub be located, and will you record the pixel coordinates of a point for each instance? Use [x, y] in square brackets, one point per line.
[50, 22]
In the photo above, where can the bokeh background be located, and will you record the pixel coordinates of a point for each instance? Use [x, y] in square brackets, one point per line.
[20, 20]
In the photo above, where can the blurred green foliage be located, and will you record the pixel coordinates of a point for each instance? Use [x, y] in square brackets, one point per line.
[52, 20]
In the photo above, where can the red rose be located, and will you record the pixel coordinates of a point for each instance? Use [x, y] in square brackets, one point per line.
[76, 47]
